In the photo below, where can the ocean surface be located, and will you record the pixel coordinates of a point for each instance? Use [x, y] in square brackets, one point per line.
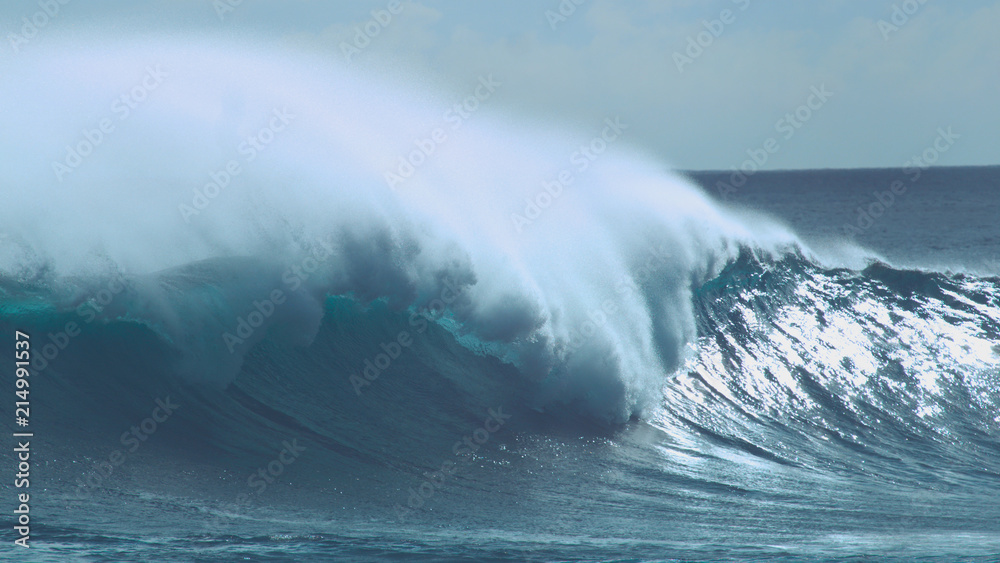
[944, 218]
[316, 367]
[823, 414]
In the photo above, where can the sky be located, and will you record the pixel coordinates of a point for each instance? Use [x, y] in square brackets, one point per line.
[703, 85]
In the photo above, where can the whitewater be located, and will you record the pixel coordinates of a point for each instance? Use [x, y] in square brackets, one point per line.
[392, 325]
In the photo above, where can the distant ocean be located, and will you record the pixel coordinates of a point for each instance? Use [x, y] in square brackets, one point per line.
[504, 358]
[942, 217]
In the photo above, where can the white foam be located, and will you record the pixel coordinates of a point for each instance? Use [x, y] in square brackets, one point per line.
[626, 232]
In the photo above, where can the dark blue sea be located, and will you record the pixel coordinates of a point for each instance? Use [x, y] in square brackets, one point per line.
[836, 401]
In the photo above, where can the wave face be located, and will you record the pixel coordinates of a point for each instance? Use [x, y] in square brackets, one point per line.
[880, 361]
[818, 407]
[683, 364]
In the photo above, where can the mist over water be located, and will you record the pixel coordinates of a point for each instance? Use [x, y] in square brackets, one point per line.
[136, 159]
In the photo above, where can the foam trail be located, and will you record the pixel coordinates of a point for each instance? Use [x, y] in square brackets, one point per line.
[591, 296]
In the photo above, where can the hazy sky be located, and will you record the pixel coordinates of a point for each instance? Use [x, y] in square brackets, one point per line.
[896, 71]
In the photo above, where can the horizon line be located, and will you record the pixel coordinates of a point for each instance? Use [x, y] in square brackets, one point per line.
[838, 169]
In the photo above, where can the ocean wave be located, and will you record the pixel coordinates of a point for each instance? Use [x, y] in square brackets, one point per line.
[608, 289]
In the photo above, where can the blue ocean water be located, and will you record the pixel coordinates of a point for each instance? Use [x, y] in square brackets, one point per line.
[318, 367]
[827, 414]
[943, 217]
